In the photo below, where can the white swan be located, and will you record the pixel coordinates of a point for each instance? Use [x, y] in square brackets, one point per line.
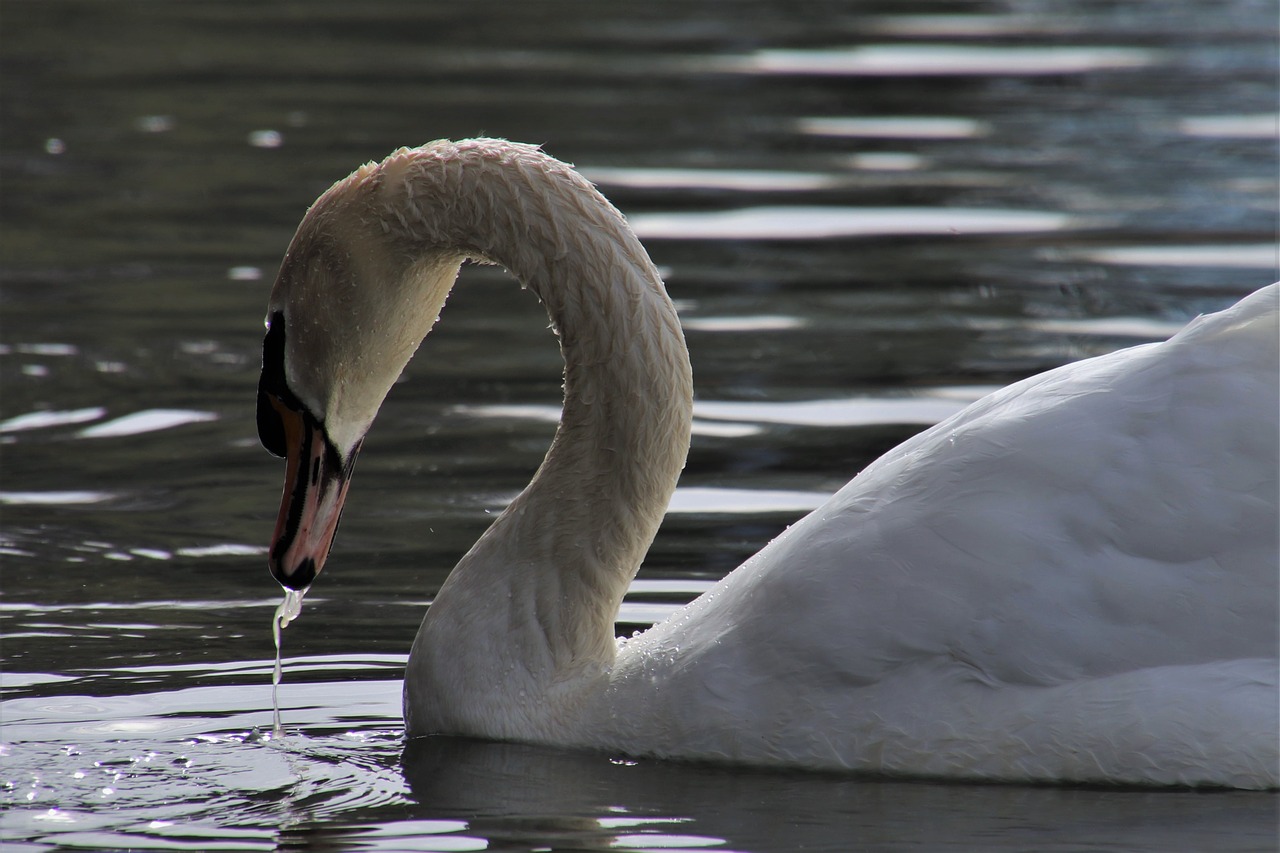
[1074, 579]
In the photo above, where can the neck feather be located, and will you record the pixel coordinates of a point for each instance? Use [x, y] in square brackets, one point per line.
[539, 592]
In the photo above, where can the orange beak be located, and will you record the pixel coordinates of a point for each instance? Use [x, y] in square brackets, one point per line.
[315, 487]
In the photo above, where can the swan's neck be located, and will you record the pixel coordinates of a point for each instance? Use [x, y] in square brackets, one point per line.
[524, 624]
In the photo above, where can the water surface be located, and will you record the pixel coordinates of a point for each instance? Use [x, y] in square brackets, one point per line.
[868, 213]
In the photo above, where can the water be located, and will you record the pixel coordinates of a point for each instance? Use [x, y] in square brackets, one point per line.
[868, 213]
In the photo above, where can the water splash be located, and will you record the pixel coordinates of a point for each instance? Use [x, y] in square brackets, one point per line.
[288, 610]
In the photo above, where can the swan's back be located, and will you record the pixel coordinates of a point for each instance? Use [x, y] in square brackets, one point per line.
[1074, 578]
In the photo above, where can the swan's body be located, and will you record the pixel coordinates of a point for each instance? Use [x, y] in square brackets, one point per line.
[1074, 579]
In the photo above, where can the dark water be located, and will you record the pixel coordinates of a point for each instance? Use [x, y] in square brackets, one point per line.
[869, 213]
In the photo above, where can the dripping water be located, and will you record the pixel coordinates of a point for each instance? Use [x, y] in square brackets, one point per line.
[286, 612]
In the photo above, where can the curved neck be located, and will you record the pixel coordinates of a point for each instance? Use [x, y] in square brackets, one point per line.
[546, 579]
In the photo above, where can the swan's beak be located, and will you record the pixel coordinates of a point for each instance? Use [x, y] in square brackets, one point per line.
[315, 487]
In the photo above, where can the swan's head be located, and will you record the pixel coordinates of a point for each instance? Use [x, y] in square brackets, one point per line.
[354, 298]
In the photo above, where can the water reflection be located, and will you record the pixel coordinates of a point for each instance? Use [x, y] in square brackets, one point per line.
[190, 768]
[586, 801]
[758, 323]
[896, 127]
[1261, 126]
[53, 498]
[940, 59]
[858, 411]
[1259, 256]
[827, 223]
[718, 179]
[156, 162]
[150, 420]
[926, 408]
[47, 419]
[976, 25]
[706, 499]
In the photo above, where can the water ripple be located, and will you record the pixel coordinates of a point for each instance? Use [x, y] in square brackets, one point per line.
[149, 420]
[1260, 126]
[716, 179]
[1240, 256]
[1109, 327]
[45, 420]
[939, 60]
[820, 223]
[65, 498]
[969, 26]
[752, 323]
[895, 127]
[854, 411]
[717, 499]
[939, 403]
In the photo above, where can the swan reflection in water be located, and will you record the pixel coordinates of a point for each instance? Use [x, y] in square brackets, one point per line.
[510, 793]
[1072, 580]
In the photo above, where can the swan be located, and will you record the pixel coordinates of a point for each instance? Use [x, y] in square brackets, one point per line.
[1074, 580]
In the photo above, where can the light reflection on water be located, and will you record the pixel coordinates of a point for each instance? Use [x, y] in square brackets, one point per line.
[719, 179]
[1264, 257]
[1110, 174]
[150, 420]
[940, 59]
[1262, 126]
[194, 769]
[926, 409]
[796, 222]
[46, 419]
[190, 766]
[896, 127]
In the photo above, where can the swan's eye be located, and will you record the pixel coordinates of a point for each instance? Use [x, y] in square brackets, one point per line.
[273, 392]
